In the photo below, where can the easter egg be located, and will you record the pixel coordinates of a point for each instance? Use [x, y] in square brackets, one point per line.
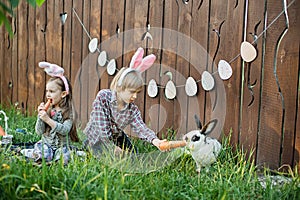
[102, 58]
[111, 67]
[248, 52]
[190, 86]
[93, 45]
[152, 88]
[224, 69]
[207, 81]
[170, 90]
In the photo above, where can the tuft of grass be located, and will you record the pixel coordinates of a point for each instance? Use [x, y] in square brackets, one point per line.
[148, 175]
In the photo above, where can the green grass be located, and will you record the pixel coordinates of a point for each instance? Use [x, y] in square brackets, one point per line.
[232, 177]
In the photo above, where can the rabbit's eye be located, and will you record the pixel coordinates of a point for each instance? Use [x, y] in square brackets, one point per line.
[195, 138]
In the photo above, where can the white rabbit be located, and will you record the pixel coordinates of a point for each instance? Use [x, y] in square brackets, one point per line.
[204, 150]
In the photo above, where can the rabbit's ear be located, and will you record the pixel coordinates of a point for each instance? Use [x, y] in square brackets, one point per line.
[147, 62]
[198, 122]
[44, 64]
[136, 59]
[209, 127]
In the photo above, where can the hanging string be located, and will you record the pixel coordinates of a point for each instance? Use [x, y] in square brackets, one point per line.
[276, 18]
[81, 24]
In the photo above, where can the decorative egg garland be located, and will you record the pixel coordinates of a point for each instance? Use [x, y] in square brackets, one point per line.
[247, 52]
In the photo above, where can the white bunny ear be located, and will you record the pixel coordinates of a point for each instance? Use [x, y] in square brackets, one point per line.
[147, 62]
[52, 69]
[44, 64]
[136, 59]
[209, 127]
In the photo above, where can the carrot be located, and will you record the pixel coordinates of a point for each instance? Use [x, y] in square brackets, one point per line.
[2, 132]
[47, 105]
[167, 145]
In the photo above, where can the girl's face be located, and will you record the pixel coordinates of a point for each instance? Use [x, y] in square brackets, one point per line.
[53, 92]
[128, 95]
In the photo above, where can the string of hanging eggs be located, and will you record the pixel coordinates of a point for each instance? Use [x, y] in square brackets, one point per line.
[247, 52]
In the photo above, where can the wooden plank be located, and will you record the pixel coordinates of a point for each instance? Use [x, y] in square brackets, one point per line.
[153, 46]
[86, 20]
[288, 74]
[22, 66]
[116, 50]
[296, 153]
[76, 51]
[2, 63]
[218, 13]
[54, 32]
[198, 60]
[253, 75]
[14, 59]
[182, 68]
[111, 43]
[66, 51]
[269, 140]
[168, 58]
[135, 20]
[40, 52]
[6, 74]
[31, 101]
[230, 48]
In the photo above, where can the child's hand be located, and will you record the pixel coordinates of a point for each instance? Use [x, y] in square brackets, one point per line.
[42, 114]
[156, 142]
[41, 107]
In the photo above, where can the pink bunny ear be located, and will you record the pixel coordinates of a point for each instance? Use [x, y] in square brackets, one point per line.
[52, 69]
[136, 59]
[55, 71]
[147, 62]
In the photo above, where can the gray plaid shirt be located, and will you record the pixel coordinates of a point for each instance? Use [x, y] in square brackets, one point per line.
[57, 136]
[106, 121]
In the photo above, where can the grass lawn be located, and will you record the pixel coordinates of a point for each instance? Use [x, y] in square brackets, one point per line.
[153, 176]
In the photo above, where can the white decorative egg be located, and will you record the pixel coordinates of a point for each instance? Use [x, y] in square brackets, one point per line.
[224, 69]
[93, 45]
[190, 86]
[207, 81]
[152, 88]
[111, 67]
[170, 90]
[248, 51]
[102, 58]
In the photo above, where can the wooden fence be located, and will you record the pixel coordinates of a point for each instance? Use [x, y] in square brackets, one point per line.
[262, 97]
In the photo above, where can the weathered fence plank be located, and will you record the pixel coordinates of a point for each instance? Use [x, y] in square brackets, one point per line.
[251, 88]
[232, 36]
[155, 17]
[272, 113]
[22, 65]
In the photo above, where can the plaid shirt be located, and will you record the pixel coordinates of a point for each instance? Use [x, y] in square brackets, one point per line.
[106, 121]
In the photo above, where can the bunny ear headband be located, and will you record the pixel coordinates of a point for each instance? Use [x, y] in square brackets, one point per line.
[138, 63]
[55, 71]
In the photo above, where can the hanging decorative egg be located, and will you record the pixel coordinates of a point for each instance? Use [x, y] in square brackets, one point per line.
[152, 88]
[224, 69]
[102, 58]
[170, 90]
[111, 67]
[93, 45]
[191, 86]
[207, 81]
[248, 51]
